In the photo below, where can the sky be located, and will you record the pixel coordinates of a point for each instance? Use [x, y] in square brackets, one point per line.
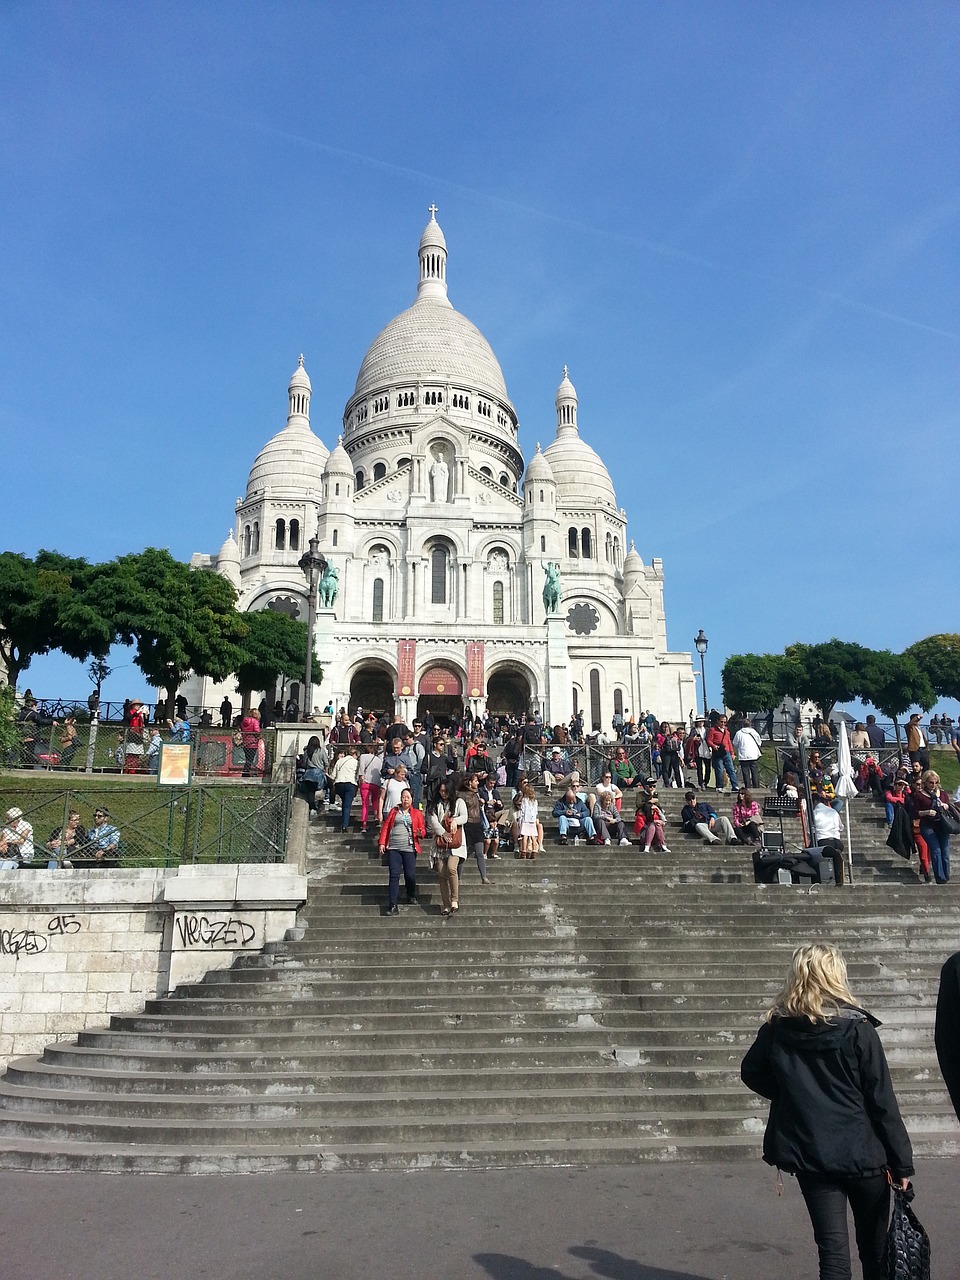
[736, 223]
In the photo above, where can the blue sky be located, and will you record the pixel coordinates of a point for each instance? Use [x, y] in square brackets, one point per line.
[735, 222]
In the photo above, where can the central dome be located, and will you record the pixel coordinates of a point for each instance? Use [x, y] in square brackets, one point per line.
[435, 343]
[431, 341]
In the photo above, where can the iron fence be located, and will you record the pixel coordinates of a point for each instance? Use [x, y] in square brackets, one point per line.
[144, 827]
[591, 761]
[97, 747]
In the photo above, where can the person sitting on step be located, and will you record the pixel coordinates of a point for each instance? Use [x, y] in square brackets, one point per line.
[606, 815]
[573, 817]
[701, 820]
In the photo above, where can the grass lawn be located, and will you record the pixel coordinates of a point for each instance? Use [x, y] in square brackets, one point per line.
[159, 826]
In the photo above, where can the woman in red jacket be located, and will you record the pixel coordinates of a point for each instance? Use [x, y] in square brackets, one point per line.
[403, 829]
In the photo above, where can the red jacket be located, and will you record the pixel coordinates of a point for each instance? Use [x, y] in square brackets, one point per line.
[719, 740]
[419, 828]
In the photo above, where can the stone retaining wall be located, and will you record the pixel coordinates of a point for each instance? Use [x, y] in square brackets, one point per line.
[76, 946]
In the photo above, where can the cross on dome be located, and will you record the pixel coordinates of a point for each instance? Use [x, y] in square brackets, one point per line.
[433, 211]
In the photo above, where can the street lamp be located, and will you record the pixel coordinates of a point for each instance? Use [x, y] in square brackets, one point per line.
[701, 643]
[312, 565]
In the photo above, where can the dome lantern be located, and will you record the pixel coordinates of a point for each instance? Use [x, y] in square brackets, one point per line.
[566, 403]
[433, 262]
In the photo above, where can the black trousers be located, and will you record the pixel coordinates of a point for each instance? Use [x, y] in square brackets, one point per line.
[827, 1199]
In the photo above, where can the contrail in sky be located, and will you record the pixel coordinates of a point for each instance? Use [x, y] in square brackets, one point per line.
[641, 242]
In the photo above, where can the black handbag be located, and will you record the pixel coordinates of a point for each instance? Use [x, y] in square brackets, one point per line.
[908, 1245]
[950, 820]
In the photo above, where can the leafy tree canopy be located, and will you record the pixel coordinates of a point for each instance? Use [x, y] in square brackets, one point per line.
[180, 619]
[275, 645]
[825, 673]
[44, 605]
[750, 681]
[938, 657]
[894, 682]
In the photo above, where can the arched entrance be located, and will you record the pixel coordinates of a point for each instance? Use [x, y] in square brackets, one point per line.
[440, 692]
[509, 692]
[372, 688]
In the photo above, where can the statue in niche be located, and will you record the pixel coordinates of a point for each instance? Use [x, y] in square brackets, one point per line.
[551, 587]
[497, 562]
[329, 586]
[439, 478]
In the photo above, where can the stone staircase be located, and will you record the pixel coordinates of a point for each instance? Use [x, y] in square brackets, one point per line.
[591, 1007]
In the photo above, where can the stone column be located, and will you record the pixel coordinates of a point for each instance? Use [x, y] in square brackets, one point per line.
[559, 690]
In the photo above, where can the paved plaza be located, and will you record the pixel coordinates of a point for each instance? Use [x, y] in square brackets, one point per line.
[672, 1222]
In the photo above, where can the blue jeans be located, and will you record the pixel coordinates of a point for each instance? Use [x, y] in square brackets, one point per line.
[723, 760]
[938, 842]
[586, 825]
[888, 807]
[346, 791]
[402, 861]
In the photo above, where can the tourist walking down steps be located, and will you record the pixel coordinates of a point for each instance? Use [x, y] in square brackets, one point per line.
[834, 1120]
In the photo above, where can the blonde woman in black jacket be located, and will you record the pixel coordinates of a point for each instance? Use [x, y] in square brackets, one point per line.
[834, 1120]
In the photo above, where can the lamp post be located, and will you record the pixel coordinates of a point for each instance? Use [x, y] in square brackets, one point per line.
[701, 643]
[312, 565]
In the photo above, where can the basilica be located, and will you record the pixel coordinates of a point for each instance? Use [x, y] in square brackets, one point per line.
[459, 574]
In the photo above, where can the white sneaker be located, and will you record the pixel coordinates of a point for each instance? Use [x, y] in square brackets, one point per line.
[665, 850]
[624, 840]
[607, 841]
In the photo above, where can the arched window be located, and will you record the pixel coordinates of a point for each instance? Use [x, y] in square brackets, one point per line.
[402, 462]
[438, 575]
[595, 717]
[336, 490]
[359, 478]
[576, 700]
[256, 537]
[505, 481]
[379, 471]
[294, 535]
[585, 542]
[485, 471]
[498, 604]
[616, 552]
[378, 600]
[543, 543]
[573, 544]
[281, 537]
[618, 701]
[609, 548]
[246, 539]
[334, 540]
[541, 495]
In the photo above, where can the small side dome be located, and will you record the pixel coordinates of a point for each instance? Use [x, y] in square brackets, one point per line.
[632, 568]
[566, 389]
[339, 464]
[538, 468]
[229, 553]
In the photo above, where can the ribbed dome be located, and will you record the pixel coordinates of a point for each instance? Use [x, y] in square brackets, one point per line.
[293, 460]
[339, 464]
[229, 552]
[580, 474]
[631, 561]
[300, 378]
[538, 468]
[433, 342]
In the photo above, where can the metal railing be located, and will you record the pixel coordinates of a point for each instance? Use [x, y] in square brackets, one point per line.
[147, 828]
[109, 748]
[590, 760]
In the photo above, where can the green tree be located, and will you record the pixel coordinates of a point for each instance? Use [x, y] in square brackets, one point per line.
[938, 657]
[9, 737]
[275, 645]
[825, 673]
[180, 619]
[44, 605]
[894, 682]
[750, 681]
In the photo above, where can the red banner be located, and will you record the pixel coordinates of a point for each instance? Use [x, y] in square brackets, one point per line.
[406, 666]
[475, 668]
[440, 680]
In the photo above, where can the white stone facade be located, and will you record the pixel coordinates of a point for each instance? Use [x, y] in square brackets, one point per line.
[441, 535]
